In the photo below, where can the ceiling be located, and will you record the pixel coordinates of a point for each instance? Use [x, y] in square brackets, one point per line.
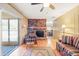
[33, 11]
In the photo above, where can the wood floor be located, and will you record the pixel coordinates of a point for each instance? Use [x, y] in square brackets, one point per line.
[24, 49]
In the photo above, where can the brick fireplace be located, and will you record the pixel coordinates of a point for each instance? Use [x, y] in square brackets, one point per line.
[38, 26]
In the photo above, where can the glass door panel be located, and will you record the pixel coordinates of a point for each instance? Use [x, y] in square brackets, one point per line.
[4, 25]
[4, 36]
[14, 36]
[4, 30]
[14, 25]
[14, 31]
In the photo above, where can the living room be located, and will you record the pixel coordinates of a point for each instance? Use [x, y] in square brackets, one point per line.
[39, 29]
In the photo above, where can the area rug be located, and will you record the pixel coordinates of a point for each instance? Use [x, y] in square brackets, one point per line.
[7, 50]
[39, 52]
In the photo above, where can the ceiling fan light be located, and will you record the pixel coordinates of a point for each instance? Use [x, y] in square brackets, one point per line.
[51, 6]
[41, 9]
[46, 4]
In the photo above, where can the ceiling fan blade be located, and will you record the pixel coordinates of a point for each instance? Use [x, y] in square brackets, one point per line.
[51, 6]
[35, 3]
[42, 9]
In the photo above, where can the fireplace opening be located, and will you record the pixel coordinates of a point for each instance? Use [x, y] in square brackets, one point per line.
[40, 33]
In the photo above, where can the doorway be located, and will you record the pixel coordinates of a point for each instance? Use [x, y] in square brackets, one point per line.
[10, 35]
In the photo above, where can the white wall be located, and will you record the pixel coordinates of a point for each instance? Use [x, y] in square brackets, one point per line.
[8, 9]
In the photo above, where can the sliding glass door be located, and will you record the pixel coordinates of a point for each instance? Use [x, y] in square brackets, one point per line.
[10, 31]
[14, 31]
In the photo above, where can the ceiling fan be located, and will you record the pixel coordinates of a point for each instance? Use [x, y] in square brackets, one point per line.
[43, 6]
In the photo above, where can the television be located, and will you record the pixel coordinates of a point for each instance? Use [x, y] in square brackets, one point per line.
[40, 33]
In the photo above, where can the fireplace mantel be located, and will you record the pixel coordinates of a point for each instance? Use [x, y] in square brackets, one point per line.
[39, 28]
